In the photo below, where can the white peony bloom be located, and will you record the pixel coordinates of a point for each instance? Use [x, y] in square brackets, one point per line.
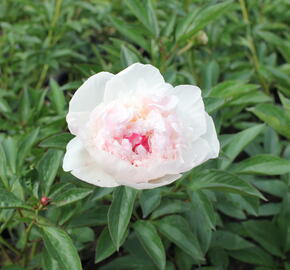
[134, 129]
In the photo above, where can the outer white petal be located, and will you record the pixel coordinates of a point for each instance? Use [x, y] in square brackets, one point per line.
[91, 93]
[78, 161]
[162, 181]
[85, 99]
[76, 121]
[135, 78]
[190, 97]
[211, 137]
[191, 108]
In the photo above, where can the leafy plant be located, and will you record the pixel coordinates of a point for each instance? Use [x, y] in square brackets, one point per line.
[230, 213]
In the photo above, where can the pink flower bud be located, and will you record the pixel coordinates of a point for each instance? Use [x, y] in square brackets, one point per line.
[44, 201]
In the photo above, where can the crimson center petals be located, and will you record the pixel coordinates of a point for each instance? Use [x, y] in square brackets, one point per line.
[137, 139]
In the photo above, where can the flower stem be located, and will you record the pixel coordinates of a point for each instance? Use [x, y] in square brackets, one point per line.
[49, 40]
[9, 246]
[252, 46]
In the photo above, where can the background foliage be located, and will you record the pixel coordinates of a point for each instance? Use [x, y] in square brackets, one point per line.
[230, 213]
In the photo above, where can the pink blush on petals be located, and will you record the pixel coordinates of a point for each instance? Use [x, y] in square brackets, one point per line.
[138, 131]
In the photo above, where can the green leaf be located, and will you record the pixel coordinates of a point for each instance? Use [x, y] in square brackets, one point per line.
[211, 72]
[3, 167]
[105, 247]
[200, 200]
[151, 242]
[152, 18]
[262, 232]
[10, 148]
[149, 200]
[130, 32]
[238, 142]
[177, 230]
[253, 255]
[58, 141]
[26, 145]
[169, 27]
[120, 212]
[230, 241]
[222, 180]
[145, 14]
[271, 142]
[194, 23]
[9, 200]
[57, 97]
[48, 262]
[48, 167]
[13, 267]
[70, 196]
[264, 165]
[60, 246]
[169, 206]
[274, 116]
[96, 216]
[128, 57]
[25, 107]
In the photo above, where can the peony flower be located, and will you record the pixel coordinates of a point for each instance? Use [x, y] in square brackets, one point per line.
[135, 129]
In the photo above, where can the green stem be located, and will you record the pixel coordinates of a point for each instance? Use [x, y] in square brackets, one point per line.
[56, 15]
[27, 256]
[9, 246]
[5, 255]
[252, 46]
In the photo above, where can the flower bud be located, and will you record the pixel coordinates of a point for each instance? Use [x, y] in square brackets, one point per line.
[44, 201]
[202, 38]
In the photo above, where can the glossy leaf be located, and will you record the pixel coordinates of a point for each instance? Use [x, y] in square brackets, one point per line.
[263, 164]
[151, 242]
[9, 200]
[71, 195]
[222, 180]
[238, 142]
[274, 116]
[48, 167]
[120, 213]
[177, 230]
[60, 246]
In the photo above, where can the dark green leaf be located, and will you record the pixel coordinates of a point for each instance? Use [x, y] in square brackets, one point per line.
[48, 167]
[151, 242]
[71, 195]
[57, 97]
[177, 230]
[120, 213]
[58, 141]
[263, 164]
[60, 246]
[105, 247]
[222, 180]
[274, 116]
[238, 142]
[149, 200]
[9, 200]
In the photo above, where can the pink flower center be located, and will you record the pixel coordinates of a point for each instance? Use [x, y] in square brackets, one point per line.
[137, 139]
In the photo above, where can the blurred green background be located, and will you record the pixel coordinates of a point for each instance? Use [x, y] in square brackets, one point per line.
[230, 213]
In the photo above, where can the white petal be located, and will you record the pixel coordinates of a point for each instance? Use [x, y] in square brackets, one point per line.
[90, 94]
[191, 108]
[78, 161]
[76, 121]
[162, 181]
[132, 79]
[194, 154]
[189, 96]
[211, 137]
